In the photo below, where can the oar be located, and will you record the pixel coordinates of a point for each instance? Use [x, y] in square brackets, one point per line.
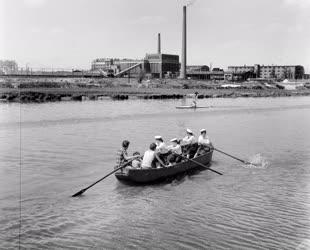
[243, 161]
[198, 163]
[115, 170]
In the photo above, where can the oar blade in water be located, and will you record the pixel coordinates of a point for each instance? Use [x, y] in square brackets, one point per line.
[258, 161]
[79, 193]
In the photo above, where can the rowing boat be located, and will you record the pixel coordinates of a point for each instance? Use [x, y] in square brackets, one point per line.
[157, 174]
[192, 107]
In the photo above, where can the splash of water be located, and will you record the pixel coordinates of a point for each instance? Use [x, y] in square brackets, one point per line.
[257, 161]
[190, 3]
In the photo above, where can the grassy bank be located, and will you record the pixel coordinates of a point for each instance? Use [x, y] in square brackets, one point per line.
[26, 90]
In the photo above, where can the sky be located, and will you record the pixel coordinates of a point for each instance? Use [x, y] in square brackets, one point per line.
[71, 33]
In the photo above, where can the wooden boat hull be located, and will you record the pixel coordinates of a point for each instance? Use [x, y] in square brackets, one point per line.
[157, 174]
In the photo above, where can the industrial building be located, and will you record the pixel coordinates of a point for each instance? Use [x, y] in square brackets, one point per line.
[267, 71]
[160, 65]
[156, 65]
[8, 67]
[101, 64]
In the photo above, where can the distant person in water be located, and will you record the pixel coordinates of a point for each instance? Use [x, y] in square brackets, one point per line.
[122, 155]
[194, 102]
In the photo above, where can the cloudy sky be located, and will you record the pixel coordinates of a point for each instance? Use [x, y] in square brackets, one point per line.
[70, 33]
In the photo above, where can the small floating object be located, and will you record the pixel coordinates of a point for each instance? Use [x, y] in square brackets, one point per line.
[192, 107]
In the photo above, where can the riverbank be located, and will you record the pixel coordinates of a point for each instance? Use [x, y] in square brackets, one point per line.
[26, 90]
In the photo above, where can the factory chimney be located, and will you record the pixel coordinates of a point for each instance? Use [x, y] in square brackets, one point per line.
[183, 62]
[159, 44]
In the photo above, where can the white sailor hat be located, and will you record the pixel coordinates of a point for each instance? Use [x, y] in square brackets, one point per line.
[158, 137]
[203, 130]
[189, 131]
[174, 139]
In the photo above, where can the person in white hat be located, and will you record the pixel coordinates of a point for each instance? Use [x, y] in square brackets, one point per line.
[189, 138]
[203, 139]
[189, 143]
[204, 143]
[160, 145]
[176, 151]
[161, 148]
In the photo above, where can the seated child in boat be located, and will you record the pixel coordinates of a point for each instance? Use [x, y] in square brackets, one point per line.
[136, 163]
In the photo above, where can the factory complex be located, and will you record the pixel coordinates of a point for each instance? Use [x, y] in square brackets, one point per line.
[164, 65]
[168, 66]
[158, 65]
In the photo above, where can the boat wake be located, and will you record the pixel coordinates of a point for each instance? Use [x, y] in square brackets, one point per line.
[257, 161]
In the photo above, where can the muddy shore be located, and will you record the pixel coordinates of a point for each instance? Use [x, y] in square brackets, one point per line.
[28, 90]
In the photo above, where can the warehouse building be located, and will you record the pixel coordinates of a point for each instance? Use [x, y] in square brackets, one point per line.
[159, 65]
[102, 64]
[269, 71]
[282, 72]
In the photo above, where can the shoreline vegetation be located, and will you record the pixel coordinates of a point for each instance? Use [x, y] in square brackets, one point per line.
[43, 89]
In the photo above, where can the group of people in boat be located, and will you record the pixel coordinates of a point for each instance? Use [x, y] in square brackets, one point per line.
[160, 154]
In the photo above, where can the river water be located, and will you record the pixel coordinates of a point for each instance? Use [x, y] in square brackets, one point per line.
[50, 151]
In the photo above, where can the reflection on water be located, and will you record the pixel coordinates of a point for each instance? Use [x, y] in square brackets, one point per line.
[67, 146]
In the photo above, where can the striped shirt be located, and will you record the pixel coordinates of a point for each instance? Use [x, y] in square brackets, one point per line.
[120, 157]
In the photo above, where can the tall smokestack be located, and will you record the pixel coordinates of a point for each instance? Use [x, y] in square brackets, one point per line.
[159, 44]
[183, 62]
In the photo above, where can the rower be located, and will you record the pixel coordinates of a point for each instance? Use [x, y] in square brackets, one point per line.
[161, 148]
[204, 143]
[122, 155]
[176, 151]
[203, 139]
[189, 143]
[150, 157]
[189, 138]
